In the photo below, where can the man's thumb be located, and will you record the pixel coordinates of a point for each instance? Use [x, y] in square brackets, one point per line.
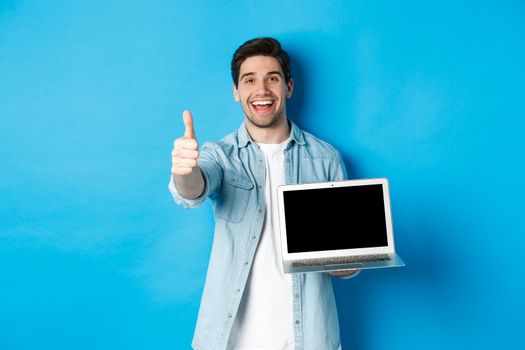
[188, 123]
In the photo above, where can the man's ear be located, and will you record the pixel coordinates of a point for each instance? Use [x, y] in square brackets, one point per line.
[289, 88]
[236, 93]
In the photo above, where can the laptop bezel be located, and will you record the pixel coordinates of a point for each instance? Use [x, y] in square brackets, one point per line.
[389, 249]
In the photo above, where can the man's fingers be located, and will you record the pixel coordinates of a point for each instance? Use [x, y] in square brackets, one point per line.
[188, 123]
[184, 154]
[184, 143]
[344, 273]
[186, 162]
[181, 170]
[185, 149]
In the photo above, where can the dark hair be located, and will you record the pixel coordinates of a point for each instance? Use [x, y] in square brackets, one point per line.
[260, 47]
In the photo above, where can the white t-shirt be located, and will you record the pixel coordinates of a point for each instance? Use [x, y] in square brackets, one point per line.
[265, 316]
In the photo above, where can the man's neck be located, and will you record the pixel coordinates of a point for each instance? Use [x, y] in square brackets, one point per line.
[271, 135]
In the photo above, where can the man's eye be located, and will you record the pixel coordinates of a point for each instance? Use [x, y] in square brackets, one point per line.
[249, 81]
[274, 79]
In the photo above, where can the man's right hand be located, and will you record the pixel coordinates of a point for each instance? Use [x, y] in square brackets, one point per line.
[185, 149]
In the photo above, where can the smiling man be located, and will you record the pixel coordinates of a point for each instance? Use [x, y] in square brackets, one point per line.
[248, 301]
[262, 90]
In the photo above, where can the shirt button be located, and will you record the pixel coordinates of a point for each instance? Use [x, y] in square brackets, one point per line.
[230, 316]
[245, 263]
[296, 295]
[254, 237]
[237, 290]
[296, 321]
[260, 211]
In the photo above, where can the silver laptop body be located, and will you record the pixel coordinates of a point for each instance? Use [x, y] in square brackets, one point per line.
[331, 226]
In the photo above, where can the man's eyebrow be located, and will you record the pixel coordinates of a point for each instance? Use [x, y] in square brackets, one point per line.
[246, 75]
[267, 74]
[275, 72]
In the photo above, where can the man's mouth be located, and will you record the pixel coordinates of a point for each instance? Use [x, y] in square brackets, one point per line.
[262, 105]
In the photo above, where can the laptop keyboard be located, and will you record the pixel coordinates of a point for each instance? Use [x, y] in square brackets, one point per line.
[341, 260]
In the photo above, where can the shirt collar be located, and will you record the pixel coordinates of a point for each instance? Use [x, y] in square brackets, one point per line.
[243, 137]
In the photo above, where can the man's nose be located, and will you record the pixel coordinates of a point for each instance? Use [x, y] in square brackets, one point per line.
[262, 86]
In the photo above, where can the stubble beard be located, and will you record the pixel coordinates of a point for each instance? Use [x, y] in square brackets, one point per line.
[264, 123]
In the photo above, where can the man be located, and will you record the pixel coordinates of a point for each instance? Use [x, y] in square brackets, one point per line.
[248, 302]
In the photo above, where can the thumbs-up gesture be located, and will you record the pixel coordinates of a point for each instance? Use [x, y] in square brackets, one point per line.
[185, 149]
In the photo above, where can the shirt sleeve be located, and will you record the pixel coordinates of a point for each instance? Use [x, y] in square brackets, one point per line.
[339, 172]
[212, 172]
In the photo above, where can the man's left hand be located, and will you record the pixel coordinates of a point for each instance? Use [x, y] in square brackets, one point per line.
[344, 273]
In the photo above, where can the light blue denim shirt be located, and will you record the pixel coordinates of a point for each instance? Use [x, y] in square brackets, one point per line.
[235, 172]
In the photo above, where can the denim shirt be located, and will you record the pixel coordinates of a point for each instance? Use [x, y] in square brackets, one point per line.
[235, 172]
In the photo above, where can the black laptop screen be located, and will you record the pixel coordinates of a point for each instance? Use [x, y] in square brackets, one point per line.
[335, 218]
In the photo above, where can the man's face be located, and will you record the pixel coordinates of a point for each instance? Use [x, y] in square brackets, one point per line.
[262, 91]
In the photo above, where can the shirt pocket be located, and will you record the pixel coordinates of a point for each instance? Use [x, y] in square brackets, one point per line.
[233, 200]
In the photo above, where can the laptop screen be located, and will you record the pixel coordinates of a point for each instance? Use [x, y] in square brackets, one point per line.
[335, 218]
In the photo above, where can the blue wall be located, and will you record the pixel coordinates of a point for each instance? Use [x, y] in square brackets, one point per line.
[95, 255]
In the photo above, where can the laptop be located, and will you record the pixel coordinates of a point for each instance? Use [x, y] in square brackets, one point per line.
[333, 226]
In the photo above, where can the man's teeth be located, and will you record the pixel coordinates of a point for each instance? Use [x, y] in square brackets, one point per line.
[261, 103]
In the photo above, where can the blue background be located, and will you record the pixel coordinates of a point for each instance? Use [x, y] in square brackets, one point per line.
[95, 255]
